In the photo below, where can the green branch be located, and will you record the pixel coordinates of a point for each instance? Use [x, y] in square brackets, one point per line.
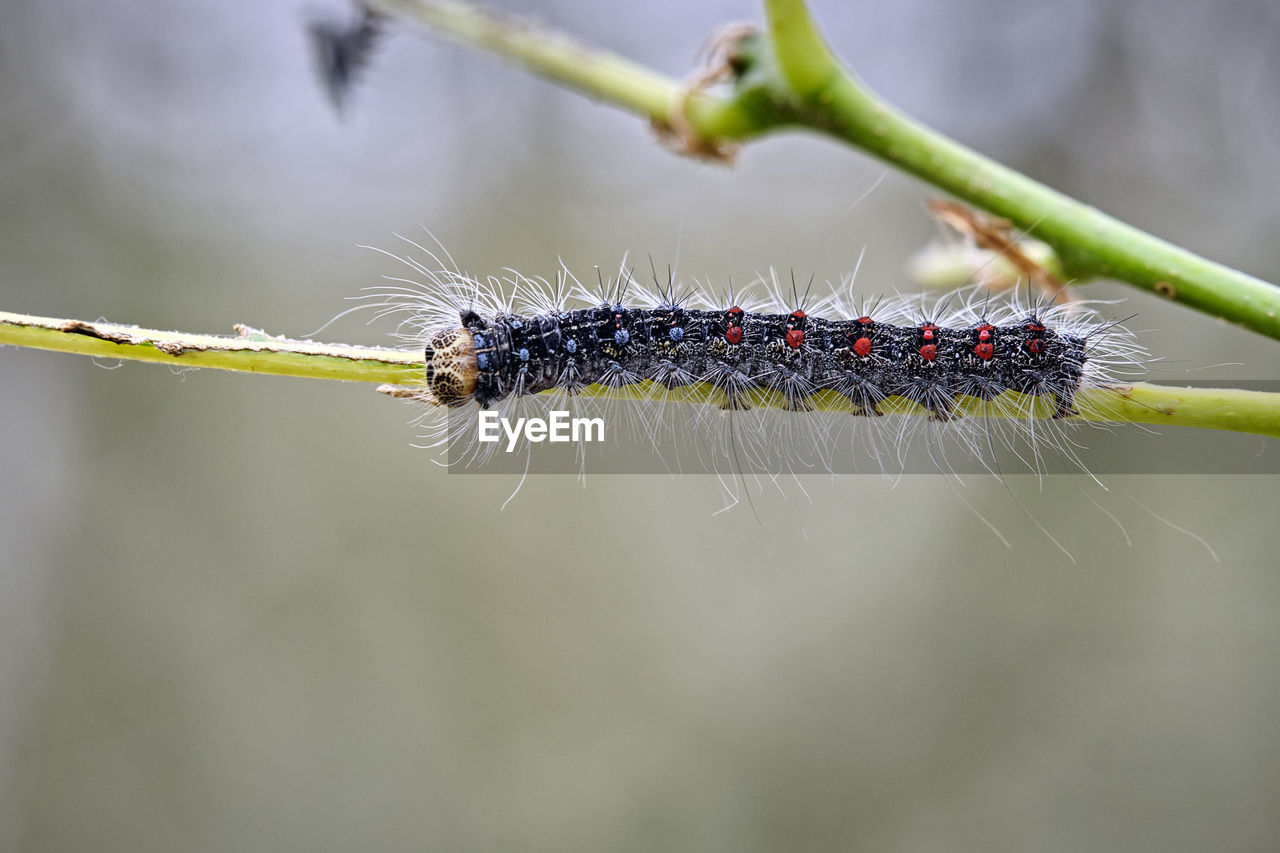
[255, 352]
[1090, 243]
[249, 352]
[791, 78]
[596, 73]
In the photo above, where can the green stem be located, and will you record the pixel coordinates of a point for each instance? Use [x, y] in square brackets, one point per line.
[1089, 242]
[795, 80]
[596, 73]
[1210, 408]
[256, 352]
[250, 352]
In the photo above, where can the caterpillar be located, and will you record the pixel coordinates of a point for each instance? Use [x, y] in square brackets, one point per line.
[771, 379]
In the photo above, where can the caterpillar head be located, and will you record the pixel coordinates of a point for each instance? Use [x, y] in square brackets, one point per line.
[451, 366]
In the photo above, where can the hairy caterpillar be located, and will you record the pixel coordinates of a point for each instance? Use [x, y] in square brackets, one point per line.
[771, 379]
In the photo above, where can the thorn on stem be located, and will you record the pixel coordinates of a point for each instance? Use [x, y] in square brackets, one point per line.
[405, 392]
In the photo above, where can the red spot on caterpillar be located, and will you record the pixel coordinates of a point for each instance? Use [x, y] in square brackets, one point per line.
[1035, 336]
[733, 334]
[984, 349]
[929, 352]
[795, 329]
[862, 347]
[866, 321]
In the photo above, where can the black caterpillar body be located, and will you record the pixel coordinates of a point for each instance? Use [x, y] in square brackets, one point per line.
[735, 351]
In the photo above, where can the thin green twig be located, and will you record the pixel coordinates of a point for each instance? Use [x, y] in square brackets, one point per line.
[597, 73]
[250, 351]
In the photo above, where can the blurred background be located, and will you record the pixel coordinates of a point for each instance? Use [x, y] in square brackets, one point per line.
[243, 612]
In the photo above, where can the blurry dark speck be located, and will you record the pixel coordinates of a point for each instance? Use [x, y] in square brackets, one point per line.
[342, 49]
